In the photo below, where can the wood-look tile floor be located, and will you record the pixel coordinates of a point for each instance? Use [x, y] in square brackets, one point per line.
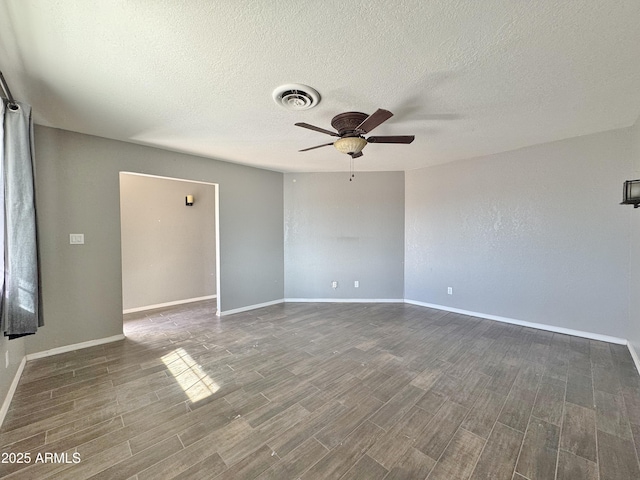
[327, 391]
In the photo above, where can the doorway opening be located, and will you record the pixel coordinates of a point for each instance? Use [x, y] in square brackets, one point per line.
[170, 241]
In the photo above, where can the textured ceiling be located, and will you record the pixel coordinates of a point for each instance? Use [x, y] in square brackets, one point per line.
[467, 78]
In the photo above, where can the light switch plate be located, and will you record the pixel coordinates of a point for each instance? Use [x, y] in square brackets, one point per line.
[76, 238]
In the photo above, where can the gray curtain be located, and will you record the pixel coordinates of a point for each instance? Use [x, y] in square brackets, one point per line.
[21, 312]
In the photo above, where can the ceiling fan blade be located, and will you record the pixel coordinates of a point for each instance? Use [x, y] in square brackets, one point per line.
[392, 139]
[356, 155]
[317, 146]
[317, 129]
[373, 120]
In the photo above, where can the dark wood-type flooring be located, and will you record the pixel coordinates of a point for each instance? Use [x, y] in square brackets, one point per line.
[327, 391]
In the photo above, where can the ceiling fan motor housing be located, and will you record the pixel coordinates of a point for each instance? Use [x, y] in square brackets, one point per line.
[295, 96]
[346, 123]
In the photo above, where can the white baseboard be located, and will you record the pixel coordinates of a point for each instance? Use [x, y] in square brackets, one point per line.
[634, 356]
[12, 391]
[251, 307]
[344, 300]
[539, 326]
[75, 346]
[168, 304]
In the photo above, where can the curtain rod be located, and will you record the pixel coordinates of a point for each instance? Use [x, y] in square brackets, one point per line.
[7, 92]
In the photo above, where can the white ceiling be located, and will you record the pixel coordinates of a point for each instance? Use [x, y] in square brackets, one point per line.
[467, 78]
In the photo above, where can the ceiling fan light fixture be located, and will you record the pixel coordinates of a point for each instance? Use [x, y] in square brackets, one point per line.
[350, 145]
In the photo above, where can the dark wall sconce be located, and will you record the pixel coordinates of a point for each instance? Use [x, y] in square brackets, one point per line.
[188, 200]
[631, 193]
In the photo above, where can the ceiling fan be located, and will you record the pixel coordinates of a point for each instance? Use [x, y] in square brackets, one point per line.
[351, 126]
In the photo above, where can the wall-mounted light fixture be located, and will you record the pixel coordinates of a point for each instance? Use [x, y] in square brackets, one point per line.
[631, 193]
[188, 200]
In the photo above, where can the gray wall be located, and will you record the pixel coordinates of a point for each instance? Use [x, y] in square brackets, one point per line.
[78, 192]
[535, 234]
[16, 349]
[634, 246]
[168, 248]
[345, 231]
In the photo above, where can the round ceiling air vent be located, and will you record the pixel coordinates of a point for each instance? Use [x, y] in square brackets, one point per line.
[296, 97]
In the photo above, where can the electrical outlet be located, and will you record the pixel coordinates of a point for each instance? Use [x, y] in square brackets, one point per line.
[356, 283]
[334, 284]
[449, 290]
[76, 238]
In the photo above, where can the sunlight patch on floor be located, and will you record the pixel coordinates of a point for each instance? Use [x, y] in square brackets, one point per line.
[190, 376]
